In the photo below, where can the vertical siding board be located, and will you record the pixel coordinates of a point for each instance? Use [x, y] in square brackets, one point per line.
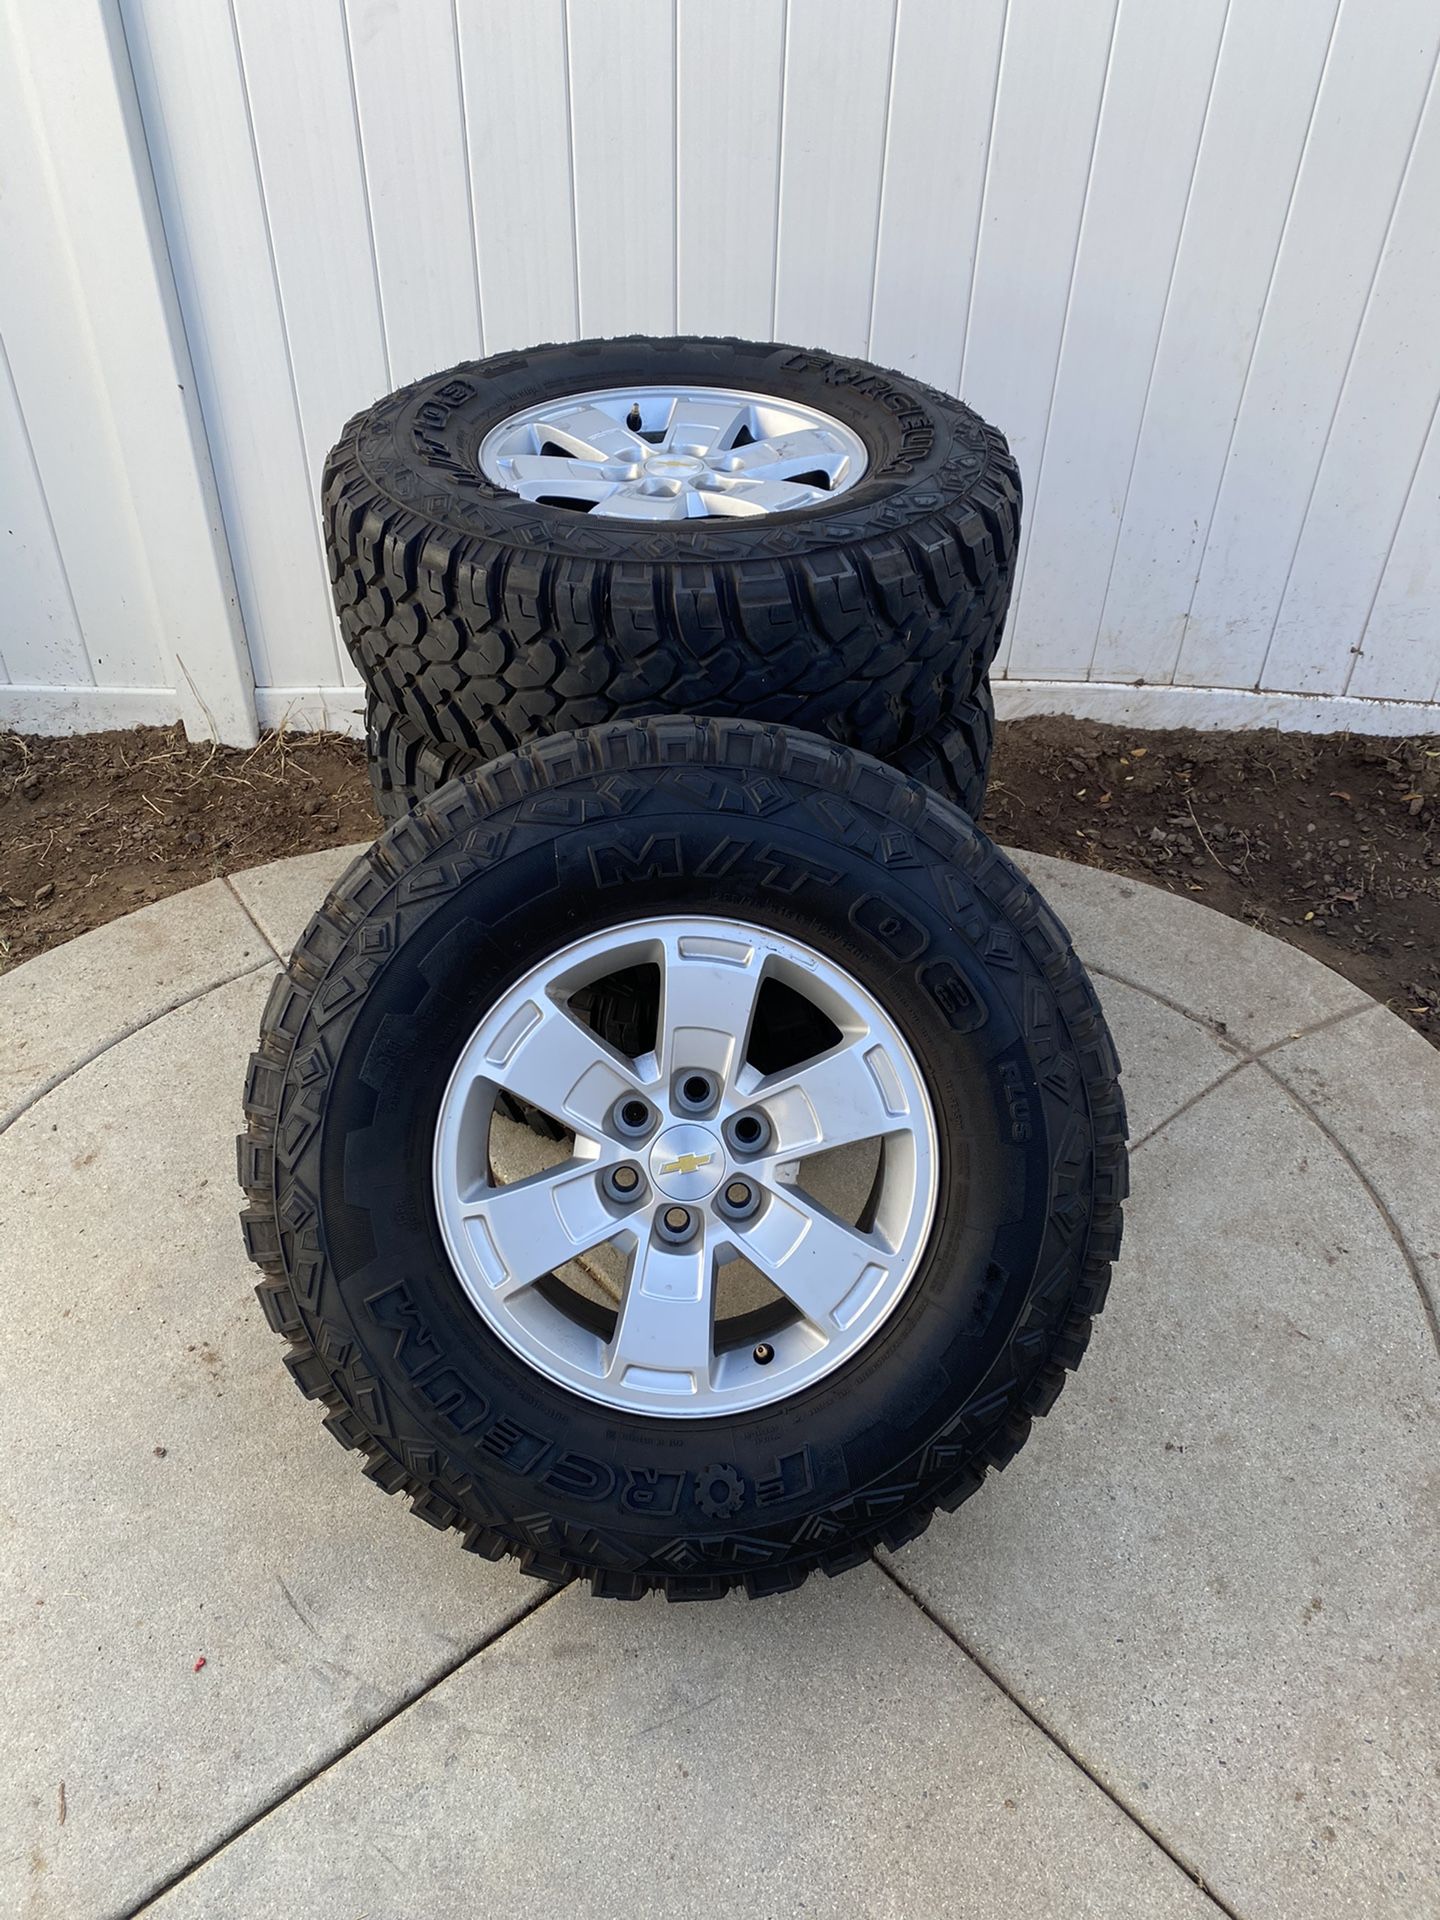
[1052, 79]
[192, 95]
[1161, 70]
[296, 73]
[296, 69]
[1371, 456]
[407, 89]
[61, 387]
[729, 61]
[1260, 108]
[946, 68]
[836, 91]
[622, 106]
[513, 63]
[1368, 106]
[1400, 649]
[40, 639]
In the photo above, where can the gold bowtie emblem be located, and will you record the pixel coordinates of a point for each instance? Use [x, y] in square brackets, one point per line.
[688, 1163]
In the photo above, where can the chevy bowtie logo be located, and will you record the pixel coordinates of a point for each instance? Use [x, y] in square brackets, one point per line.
[688, 1163]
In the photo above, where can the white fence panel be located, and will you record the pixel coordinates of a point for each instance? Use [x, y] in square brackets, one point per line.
[942, 109]
[296, 64]
[39, 626]
[102, 380]
[1374, 447]
[622, 128]
[837, 88]
[1186, 257]
[1401, 658]
[516, 90]
[197, 117]
[731, 79]
[1162, 68]
[405, 64]
[1369, 104]
[1053, 70]
[1271, 60]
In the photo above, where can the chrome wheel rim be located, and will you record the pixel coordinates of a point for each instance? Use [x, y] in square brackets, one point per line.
[673, 453]
[671, 1132]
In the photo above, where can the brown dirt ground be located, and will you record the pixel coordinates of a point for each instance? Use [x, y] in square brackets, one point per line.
[1331, 843]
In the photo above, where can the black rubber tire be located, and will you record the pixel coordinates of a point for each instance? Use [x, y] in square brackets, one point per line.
[406, 767]
[593, 829]
[486, 621]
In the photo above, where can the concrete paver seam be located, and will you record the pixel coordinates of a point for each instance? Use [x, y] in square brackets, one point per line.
[1397, 1233]
[1261, 1057]
[1243, 1056]
[236, 896]
[149, 1901]
[1217, 1030]
[49, 1086]
[1056, 1740]
[1366, 1005]
[1186, 1106]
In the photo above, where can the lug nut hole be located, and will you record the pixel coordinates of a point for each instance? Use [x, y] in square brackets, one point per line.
[739, 1199]
[694, 1092]
[624, 1183]
[632, 1116]
[748, 1132]
[675, 1224]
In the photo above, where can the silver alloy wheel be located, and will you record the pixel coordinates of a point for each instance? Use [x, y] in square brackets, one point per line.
[838, 1281]
[673, 453]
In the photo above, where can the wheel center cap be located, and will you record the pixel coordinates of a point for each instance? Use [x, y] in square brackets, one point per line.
[687, 1162]
[675, 466]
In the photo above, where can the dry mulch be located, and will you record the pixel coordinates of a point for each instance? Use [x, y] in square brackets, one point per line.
[1331, 843]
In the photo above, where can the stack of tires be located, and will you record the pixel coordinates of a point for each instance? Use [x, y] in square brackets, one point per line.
[683, 1152]
[621, 528]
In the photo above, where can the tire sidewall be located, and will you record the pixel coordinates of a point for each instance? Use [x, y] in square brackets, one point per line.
[421, 446]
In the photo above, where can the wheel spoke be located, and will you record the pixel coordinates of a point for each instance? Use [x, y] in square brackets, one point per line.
[664, 1337]
[527, 1229]
[707, 1002]
[706, 426]
[742, 499]
[629, 503]
[560, 1066]
[816, 1261]
[537, 475]
[809, 450]
[851, 1093]
[590, 434]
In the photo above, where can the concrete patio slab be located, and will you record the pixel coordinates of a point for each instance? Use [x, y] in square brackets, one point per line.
[1218, 1563]
[833, 1756]
[1375, 1084]
[172, 1499]
[1169, 1058]
[1203, 1590]
[1252, 988]
[62, 1008]
[283, 895]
